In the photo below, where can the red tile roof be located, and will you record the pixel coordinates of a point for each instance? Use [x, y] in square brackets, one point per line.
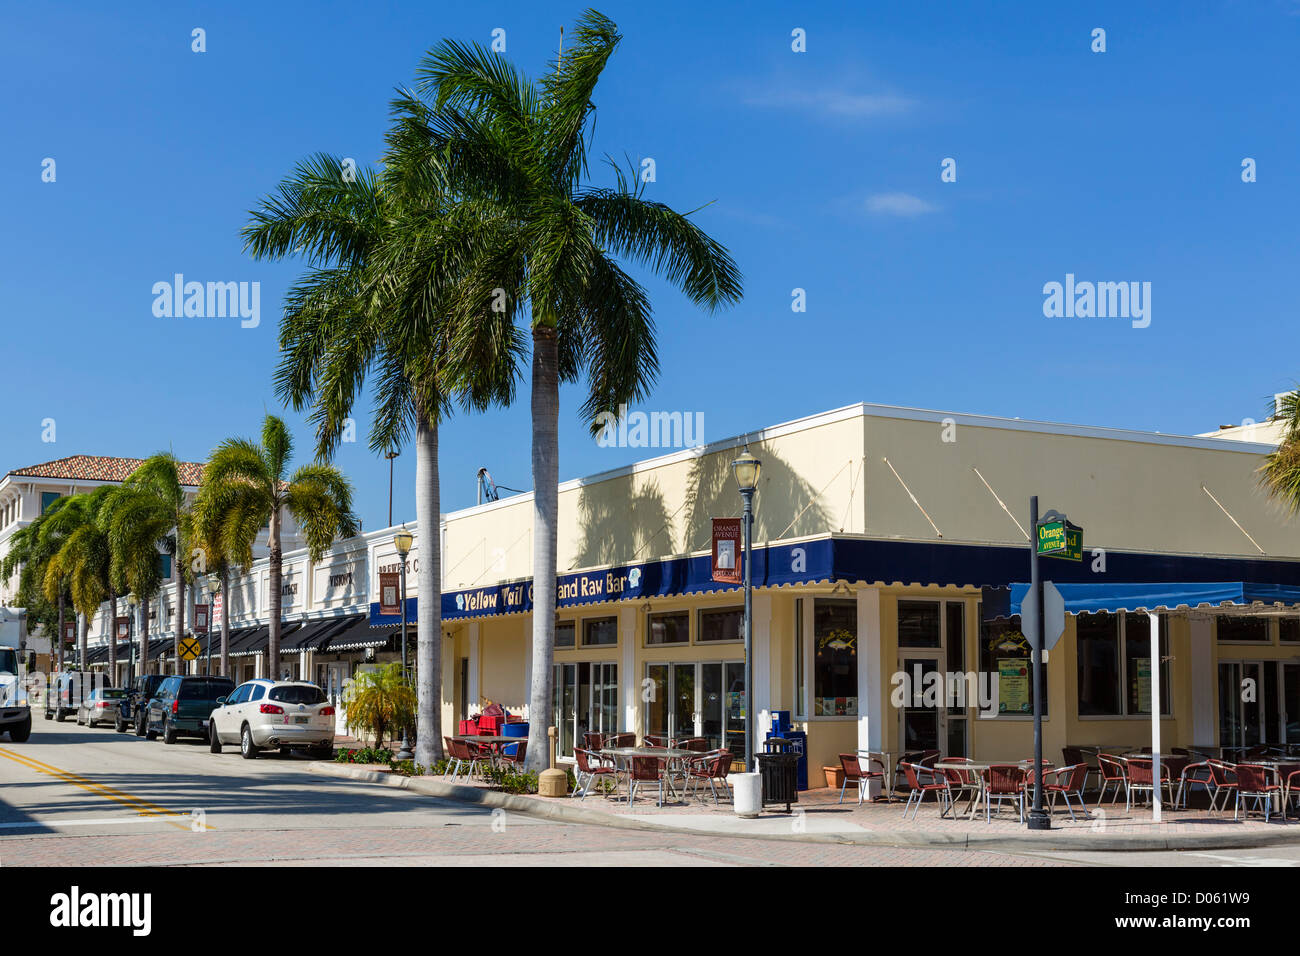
[99, 468]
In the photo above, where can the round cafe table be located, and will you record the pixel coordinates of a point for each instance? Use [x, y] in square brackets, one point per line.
[669, 754]
[982, 768]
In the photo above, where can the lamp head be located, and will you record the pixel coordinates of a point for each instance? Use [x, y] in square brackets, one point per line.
[403, 541]
[746, 469]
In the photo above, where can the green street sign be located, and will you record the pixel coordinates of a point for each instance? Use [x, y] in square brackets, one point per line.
[1052, 537]
[1073, 545]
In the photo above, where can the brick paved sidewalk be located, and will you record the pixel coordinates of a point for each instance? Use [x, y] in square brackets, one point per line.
[819, 815]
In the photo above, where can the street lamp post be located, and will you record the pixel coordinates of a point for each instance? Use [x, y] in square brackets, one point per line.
[214, 586]
[390, 455]
[402, 541]
[1037, 818]
[746, 469]
[131, 602]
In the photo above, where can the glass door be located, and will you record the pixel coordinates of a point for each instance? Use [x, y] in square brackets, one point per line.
[585, 699]
[672, 710]
[722, 706]
[1291, 703]
[1248, 704]
[922, 722]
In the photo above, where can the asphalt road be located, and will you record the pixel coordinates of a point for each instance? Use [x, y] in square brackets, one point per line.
[79, 796]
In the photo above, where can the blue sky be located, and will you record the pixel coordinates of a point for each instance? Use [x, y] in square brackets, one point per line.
[822, 167]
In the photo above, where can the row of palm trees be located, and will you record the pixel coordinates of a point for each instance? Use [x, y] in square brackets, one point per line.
[102, 545]
[478, 241]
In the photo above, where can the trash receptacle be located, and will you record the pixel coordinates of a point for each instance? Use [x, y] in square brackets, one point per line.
[798, 744]
[778, 766]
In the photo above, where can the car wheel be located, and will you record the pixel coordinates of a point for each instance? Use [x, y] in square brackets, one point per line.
[89, 722]
[59, 715]
[20, 732]
[119, 725]
[140, 727]
[48, 715]
[214, 742]
[286, 751]
[168, 732]
[247, 749]
[149, 732]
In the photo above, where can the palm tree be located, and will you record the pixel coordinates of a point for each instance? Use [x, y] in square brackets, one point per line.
[85, 561]
[518, 150]
[379, 699]
[139, 532]
[1280, 473]
[361, 312]
[244, 489]
[30, 551]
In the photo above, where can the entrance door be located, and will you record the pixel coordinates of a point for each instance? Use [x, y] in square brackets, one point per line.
[673, 710]
[586, 700]
[722, 706]
[1290, 703]
[923, 723]
[1248, 704]
[330, 677]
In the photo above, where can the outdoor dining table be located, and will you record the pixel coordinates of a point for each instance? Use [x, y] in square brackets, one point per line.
[982, 769]
[664, 753]
[493, 753]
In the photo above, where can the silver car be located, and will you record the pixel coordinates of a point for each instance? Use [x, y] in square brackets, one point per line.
[265, 713]
[100, 705]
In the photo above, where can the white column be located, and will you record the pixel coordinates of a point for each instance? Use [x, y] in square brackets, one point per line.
[871, 715]
[1154, 619]
[762, 669]
[631, 686]
[1201, 652]
[472, 705]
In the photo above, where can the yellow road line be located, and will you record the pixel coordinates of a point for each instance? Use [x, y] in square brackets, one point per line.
[111, 793]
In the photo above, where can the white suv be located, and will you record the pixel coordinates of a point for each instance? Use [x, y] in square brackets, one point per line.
[267, 713]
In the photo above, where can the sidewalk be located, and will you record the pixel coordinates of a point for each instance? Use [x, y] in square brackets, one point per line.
[819, 818]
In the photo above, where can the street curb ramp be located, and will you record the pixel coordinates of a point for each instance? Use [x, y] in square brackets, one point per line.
[565, 812]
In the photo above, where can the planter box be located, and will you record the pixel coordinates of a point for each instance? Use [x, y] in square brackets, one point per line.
[834, 777]
[835, 780]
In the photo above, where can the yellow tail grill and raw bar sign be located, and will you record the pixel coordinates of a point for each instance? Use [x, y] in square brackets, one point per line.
[1060, 539]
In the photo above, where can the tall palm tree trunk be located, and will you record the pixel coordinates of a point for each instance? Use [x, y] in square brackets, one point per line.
[546, 474]
[225, 621]
[428, 644]
[275, 572]
[112, 635]
[144, 636]
[60, 638]
[84, 621]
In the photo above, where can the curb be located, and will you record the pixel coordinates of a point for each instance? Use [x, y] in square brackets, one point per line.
[562, 811]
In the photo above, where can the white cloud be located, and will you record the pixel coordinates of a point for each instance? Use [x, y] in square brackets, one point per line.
[899, 204]
[839, 103]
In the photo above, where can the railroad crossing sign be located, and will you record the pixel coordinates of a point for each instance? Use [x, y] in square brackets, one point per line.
[189, 648]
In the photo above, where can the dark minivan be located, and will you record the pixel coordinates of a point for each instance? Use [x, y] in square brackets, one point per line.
[130, 710]
[183, 705]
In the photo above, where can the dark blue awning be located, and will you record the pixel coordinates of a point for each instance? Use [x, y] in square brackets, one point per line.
[1091, 598]
[833, 558]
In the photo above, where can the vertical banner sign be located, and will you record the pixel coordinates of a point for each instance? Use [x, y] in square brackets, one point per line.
[200, 625]
[123, 628]
[727, 555]
[390, 601]
[69, 632]
[218, 609]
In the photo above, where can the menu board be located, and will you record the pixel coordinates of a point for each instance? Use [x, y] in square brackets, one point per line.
[1144, 684]
[1013, 686]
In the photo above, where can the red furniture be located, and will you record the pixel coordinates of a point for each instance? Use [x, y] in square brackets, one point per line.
[643, 771]
[1112, 771]
[1224, 779]
[963, 781]
[515, 759]
[934, 782]
[591, 767]
[1255, 783]
[1069, 783]
[710, 767]
[1141, 776]
[468, 728]
[1005, 780]
[651, 741]
[695, 744]
[853, 773]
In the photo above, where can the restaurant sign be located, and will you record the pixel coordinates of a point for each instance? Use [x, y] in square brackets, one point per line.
[727, 556]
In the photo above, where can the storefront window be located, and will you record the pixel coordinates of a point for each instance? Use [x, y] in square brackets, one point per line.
[918, 624]
[673, 628]
[1004, 651]
[723, 625]
[1098, 642]
[600, 631]
[1288, 629]
[800, 692]
[564, 634]
[835, 659]
[1231, 628]
[1137, 665]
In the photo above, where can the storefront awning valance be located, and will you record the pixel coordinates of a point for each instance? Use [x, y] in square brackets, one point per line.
[854, 559]
[1092, 598]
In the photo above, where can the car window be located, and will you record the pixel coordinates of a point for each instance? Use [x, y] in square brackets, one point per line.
[112, 693]
[298, 694]
[205, 689]
[259, 691]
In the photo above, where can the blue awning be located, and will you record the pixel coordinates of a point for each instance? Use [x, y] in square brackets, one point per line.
[1091, 598]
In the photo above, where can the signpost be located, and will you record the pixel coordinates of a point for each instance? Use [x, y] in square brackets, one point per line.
[1054, 608]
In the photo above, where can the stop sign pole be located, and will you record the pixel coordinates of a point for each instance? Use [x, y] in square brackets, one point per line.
[1039, 819]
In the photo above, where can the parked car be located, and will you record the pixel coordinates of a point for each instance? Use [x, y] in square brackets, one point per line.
[183, 705]
[100, 704]
[267, 713]
[130, 709]
[67, 691]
